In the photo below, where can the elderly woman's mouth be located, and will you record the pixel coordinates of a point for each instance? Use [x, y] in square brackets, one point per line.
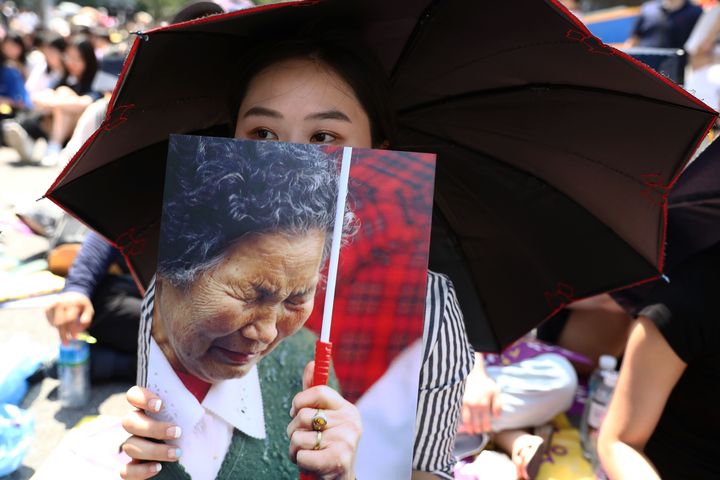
[235, 357]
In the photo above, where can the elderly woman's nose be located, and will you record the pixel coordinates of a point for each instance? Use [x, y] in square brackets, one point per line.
[263, 327]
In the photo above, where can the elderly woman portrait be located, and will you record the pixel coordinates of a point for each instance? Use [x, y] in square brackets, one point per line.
[245, 232]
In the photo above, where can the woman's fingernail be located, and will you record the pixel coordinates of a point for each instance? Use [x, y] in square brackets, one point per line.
[155, 467]
[155, 404]
[174, 453]
[173, 432]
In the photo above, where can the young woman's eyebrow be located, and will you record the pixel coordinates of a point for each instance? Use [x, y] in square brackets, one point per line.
[329, 115]
[262, 112]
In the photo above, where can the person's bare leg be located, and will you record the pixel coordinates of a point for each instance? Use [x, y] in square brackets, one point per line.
[63, 124]
[525, 450]
[596, 326]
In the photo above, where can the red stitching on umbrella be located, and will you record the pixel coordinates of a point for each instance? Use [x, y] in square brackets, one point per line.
[593, 44]
[563, 295]
[116, 118]
[129, 244]
[655, 190]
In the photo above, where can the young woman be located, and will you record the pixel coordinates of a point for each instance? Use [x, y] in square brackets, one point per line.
[52, 48]
[15, 51]
[327, 91]
[58, 110]
[663, 419]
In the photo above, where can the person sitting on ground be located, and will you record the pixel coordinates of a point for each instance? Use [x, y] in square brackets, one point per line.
[13, 96]
[104, 302]
[663, 418]
[592, 327]
[15, 51]
[511, 399]
[51, 71]
[664, 24]
[276, 100]
[57, 111]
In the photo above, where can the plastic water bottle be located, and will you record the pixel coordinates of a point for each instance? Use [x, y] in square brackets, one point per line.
[598, 408]
[74, 374]
[607, 364]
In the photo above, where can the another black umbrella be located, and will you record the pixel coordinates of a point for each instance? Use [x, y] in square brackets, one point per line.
[548, 140]
[693, 223]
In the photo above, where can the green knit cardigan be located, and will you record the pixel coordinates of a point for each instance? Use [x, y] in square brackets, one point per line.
[280, 380]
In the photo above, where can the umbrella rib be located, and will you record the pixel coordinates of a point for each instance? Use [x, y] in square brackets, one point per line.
[536, 87]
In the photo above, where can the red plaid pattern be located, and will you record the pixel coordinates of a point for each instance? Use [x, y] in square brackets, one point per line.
[380, 295]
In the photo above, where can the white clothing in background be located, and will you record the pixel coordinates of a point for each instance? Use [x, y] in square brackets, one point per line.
[533, 391]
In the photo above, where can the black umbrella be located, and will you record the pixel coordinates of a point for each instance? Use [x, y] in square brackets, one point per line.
[548, 142]
[693, 223]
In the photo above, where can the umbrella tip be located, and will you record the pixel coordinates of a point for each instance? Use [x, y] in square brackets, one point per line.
[141, 34]
[666, 278]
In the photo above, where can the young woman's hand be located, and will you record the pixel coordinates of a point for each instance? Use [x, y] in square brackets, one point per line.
[481, 401]
[147, 453]
[331, 454]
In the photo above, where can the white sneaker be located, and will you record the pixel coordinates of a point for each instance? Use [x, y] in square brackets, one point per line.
[52, 159]
[39, 150]
[17, 138]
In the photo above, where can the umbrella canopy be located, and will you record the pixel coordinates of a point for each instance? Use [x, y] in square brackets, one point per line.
[693, 219]
[551, 146]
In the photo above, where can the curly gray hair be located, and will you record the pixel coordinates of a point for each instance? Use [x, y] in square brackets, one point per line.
[218, 190]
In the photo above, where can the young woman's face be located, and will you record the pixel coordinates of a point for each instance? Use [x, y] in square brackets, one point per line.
[74, 62]
[53, 57]
[11, 50]
[302, 101]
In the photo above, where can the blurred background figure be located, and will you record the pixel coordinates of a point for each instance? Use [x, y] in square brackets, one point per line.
[15, 51]
[703, 78]
[56, 110]
[13, 96]
[101, 297]
[664, 24]
[50, 69]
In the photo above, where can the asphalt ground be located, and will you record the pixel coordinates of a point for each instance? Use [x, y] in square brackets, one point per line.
[21, 184]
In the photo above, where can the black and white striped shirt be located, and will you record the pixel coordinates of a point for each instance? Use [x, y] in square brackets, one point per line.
[447, 361]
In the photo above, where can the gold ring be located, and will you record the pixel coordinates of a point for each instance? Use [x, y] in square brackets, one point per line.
[319, 421]
[318, 440]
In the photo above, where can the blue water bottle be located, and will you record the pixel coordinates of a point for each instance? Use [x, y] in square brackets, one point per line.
[74, 374]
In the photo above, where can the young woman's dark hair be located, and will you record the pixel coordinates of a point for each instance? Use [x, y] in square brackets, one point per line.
[344, 54]
[52, 40]
[87, 52]
[18, 40]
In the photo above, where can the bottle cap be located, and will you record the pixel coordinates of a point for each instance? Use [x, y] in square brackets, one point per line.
[608, 362]
[77, 351]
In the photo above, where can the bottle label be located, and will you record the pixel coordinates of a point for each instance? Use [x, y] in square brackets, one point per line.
[596, 415]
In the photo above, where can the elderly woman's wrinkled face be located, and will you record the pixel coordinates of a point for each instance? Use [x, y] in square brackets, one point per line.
[302, 101]
[235, 314]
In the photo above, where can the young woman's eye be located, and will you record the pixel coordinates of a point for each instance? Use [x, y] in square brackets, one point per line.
[323, 137]
[263, 134]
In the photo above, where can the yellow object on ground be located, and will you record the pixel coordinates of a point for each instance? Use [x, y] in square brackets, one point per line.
[14, 285]
[564, 459]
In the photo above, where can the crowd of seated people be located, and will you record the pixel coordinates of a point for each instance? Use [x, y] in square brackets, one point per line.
[50, 76]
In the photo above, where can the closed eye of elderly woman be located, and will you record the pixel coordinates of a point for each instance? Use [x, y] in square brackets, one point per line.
[249, 293]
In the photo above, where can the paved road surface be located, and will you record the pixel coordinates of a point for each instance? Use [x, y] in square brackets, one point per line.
[21, 184]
